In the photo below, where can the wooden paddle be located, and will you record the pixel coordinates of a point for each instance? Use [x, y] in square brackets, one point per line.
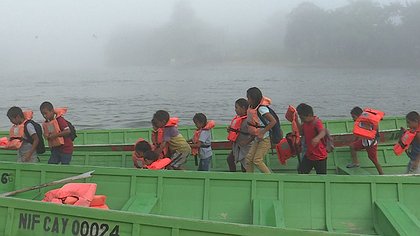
[61, 181]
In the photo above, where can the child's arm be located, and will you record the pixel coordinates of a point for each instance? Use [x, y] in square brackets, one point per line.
[271, 123]
[60, 134]
[195, 145]
[321, 134]
[159, 149]
[35, 143]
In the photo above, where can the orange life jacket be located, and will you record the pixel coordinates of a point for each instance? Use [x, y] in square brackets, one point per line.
[52, 127]
[159, 164]
[136, 158]
[17, 132]
[235, 127]
[367, 123]
[252, 116]
[99, 201]
[210, 125]
[404, 142]
[78, 194]
[291, 144]
[291, 113]
[157, 136]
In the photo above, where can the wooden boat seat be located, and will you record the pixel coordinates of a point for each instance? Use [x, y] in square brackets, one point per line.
[394, 218]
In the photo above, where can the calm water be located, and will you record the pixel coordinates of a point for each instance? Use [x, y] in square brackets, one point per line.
[128, 97]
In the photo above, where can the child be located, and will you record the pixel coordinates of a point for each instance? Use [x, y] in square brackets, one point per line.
[370, 145]
[202, 141]
[26, 132]
[413, 152]
[152, 161]
[315, 154]
[178, 146]
[261, 144]
[140, 148]
[58, 134]
[239, 136]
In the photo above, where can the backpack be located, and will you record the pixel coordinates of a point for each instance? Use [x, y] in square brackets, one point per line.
[327, 140]
[276, 134]
[72, 134]
[40, 149]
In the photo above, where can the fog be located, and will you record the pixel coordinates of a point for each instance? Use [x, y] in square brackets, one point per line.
[48, 34]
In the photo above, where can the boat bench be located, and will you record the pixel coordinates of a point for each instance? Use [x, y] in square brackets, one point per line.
[352, 171]
[140, 204]
[394, 218]
[267, 213]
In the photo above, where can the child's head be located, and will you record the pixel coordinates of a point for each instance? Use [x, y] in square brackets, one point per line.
[305, 112]
[254, 96]
[160, 118]
[150, 157]
[200, 120]
[142, 147]
[413, 120]
[356, 112]
[47, 110]
[15, 115]
[241, 106]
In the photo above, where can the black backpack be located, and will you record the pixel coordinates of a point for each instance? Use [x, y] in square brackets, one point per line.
[40, 149]
[276, 134]
[72, 134]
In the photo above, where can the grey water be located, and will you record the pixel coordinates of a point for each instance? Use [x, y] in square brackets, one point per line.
[127, 97]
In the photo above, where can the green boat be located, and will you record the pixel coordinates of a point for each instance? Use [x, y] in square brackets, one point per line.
[123, 139]
[195, 203]
[337, 161]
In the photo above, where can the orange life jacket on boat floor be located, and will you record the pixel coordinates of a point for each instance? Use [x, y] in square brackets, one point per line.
[52, 127]
[235, 128]
[159, 164]
[210, 125]
[366, 125]
[405, 140]
[77, 194]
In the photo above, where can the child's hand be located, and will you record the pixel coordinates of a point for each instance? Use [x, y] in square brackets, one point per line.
[260, 135]
[315, 141]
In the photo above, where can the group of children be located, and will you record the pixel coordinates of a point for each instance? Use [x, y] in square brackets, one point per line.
[27, 136]
[250, 133]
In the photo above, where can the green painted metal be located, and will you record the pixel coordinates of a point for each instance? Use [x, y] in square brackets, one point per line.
[196, 203]
[337, 161]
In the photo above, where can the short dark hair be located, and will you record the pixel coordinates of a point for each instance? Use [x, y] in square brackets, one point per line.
[200, 117]
[143, 146]
[357, 111]
[161, 115]
[413, 116]
[151, 156]
[46, 105]
[242, 102]
[14, 112]
[305, 110]
[256, 95]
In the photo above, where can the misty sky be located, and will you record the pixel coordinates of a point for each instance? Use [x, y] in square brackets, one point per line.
[51, 33]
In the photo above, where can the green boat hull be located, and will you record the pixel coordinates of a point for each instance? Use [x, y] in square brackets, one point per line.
[195, 203]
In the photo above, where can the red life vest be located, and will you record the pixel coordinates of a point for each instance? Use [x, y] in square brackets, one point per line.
[290, 145]
[52, 127]
[235, 127]
[367, 123]
[404, 142]
[252, 116]
[291, 113]
[159, 164]
[210, 125]
[136, 158]
[158, 134]
[78, 194]
[17, 132]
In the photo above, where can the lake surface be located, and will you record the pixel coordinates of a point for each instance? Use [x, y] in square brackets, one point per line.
[127, 97]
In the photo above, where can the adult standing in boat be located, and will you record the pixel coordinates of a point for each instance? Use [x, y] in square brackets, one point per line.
[370, 145]
[261, 144]
[313, 131]
[413, 152]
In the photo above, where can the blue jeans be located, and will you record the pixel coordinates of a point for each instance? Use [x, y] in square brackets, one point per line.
[58, 157]
[204, 164]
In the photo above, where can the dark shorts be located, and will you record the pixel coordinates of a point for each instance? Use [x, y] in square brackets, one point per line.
[58, 157]
[204, 164]
[372, 150]
[307, 165]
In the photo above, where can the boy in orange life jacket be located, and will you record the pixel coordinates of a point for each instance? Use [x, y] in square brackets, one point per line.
[241, 138]
[261, 143]
[370, 145]
[27, 151]
[141, 147]
[413, 152]
[313, 131]
[63, 153]
[203, 143]
[178, 146]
